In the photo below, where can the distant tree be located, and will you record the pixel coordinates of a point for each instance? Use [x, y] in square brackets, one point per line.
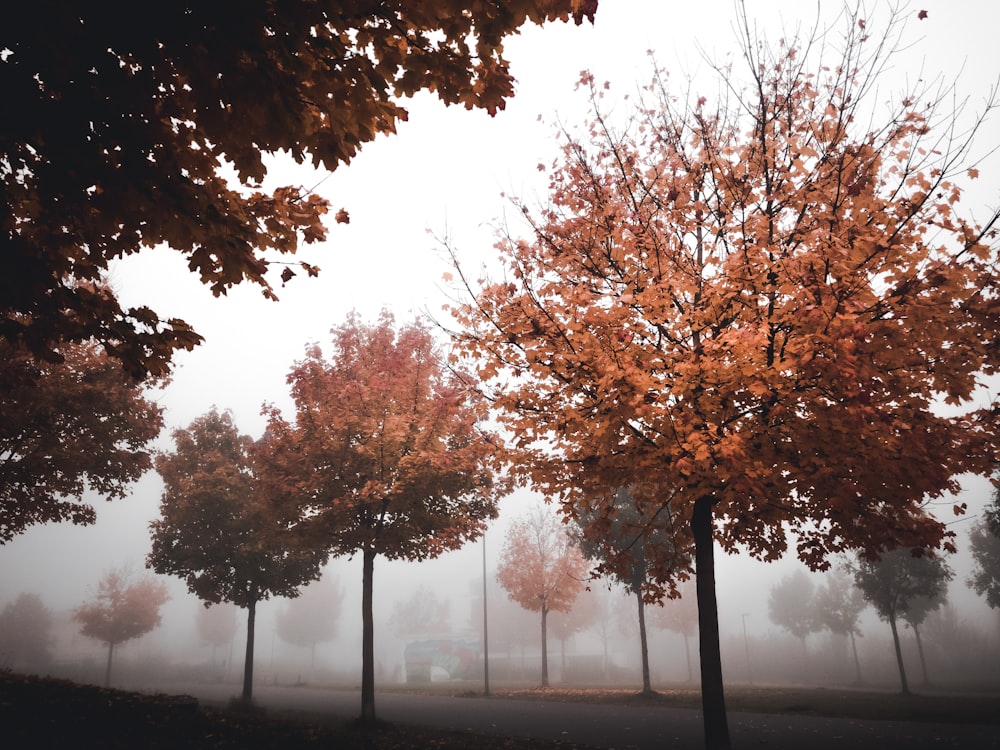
[421, 613]
[66, 427]
[564, 625]
[898, 583]
[680, 615]
[984, 541]
[621, 541]
[541, 568]
[125, 131]
[311, 618]
[389, 455]
[914, 615]
[220, 531]
[124, 608]
[790, 606]
[837, 604]
[25, 633]
[217, 624]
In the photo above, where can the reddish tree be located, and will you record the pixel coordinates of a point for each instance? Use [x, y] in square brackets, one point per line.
[220, 531]
[311, 618]
[122, 610]
[760, 302]
[64, 428]
[388, 455]
[542, 569]
[127, 130]
[680, 616]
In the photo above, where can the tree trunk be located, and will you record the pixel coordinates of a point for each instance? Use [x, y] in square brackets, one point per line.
[562, 664]
[899, 655]
[920, 650]
[713, 699]
[687, 653]
[647, 686]
[248, 659]
[545, 650]
[857, 664]
[367, 639]
[107, 669]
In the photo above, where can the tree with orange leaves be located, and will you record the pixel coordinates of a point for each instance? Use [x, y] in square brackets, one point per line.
[388, 455]
[760, 302]
[124, 608]
[542, 569]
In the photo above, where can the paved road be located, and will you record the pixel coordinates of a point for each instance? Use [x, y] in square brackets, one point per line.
[623, 727]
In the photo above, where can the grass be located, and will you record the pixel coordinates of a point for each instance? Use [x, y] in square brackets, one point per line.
[43, 712]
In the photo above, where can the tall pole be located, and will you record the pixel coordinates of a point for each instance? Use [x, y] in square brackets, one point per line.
[486, 645]
[746, 646]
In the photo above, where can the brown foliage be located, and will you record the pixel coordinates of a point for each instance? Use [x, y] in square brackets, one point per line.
[122, 130]
[66, 427]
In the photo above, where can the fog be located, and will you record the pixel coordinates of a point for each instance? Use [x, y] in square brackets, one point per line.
[444, 171]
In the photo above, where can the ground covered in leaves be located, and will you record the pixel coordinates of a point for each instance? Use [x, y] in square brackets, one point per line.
[43, 712]
[48, 713]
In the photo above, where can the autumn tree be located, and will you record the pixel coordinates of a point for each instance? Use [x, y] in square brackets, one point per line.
[216, 624]
[759, 298]
[311, 618]
[541, 568]
[837, 604]
[680, 616]
[421, 613]
[621, 542]
[903, 584]
[65, 428]
[124, 608]
[388, 455]
[126, 130]
[790, 606]
[583, 614]
[984, 541]
[25, 633]
[218, 528]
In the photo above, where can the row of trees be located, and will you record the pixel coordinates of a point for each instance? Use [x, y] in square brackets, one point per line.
[745, 310]
[388, 455]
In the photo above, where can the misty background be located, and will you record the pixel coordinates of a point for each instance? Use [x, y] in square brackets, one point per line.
[444, 173]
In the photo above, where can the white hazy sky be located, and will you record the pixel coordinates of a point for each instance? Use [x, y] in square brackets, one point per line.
[444, 171]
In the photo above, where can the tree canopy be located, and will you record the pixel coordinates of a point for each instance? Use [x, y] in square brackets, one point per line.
[65, 428]
[903, 584]
[127, 128]
[124, 608]
[220, 531]
[389, 454]
[984, 541]
[758, 295]
[541, 568]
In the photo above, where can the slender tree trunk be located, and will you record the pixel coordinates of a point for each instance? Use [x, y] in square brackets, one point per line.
[920, 650]
[899, 655]
[545, 650]
[687, 653]
[647, 686]
[107, 669]
[857, 664]
[367, 639]
[562, 665]
[713, 699]
[248, 658]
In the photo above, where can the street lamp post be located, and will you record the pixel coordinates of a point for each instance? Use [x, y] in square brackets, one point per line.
[486, 646]
[746, 646]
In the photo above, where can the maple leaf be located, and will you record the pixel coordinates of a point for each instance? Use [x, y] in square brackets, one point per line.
[922, 15]
[343, 217]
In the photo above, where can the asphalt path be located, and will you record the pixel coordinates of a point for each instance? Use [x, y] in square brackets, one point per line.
[621, 727]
